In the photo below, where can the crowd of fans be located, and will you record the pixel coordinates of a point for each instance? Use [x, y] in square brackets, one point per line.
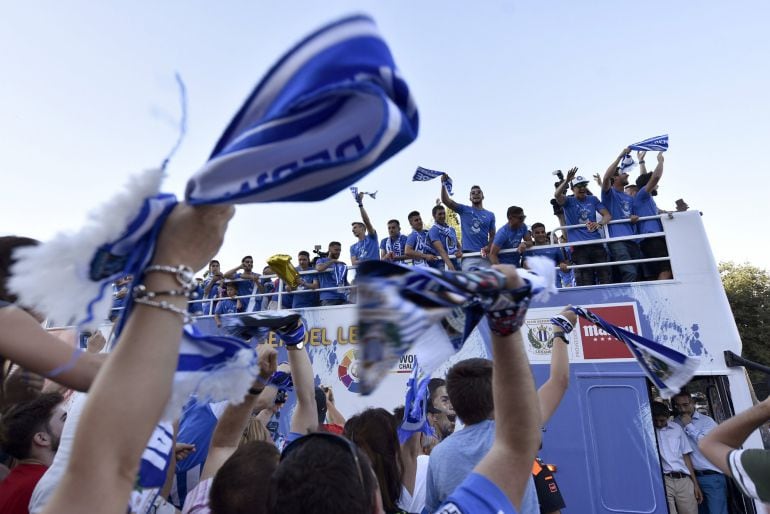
[600, 234]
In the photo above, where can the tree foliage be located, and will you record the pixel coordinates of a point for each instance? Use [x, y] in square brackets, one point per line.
[748, 291]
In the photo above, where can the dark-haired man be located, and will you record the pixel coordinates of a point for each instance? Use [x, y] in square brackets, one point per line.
[514, 235]
[307, 282]
[443, 238]
[332, 273]
[477, 225]
[247, 282]
[418, 247]
[710, 479]
[393, 247]
[644, 205]
[682, 490]
[365, 249]
[29, 432]
[620, 205]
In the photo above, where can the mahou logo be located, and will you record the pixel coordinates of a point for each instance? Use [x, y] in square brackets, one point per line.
[597, 344]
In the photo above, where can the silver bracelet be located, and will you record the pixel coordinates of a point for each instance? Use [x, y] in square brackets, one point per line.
[141, 291]
[183, 274]
[163, 304]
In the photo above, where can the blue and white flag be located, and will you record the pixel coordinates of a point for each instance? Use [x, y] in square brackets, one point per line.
[416, 406]
[355, 192]
[329, 111]
[667, 369]
[426, 311]
[423, 174]
[653, 144]
[627, 163]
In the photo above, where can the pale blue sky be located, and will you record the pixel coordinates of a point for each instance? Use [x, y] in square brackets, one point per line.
[507, 92]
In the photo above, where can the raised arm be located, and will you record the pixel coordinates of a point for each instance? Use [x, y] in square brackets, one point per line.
[235, 418]
[560, 193]
[552, 391]
[607, 179]
[365, 216]
[231, 273]
[25, 342]
[445, 198]
[731, 434]
[640, 157]
[517, 414]
[129, 395]
[656, 174]
[305, 418]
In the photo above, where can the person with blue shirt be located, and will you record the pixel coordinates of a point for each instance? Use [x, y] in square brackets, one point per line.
[332, 273]
[211, 286]
[307, 282]
[443, 238]
[367, 246]
[542, 247]
[228, 305]
[644, 205]
[581, 209]
[477, 225]
[418, 247]
[620, 205]
[514, 235]
[247, 282]
[393, 247]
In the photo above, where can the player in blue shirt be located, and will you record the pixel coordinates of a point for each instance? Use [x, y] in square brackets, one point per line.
[307, 476]
[581, 209]
[366, 248]
[443, 239]
[393, 247]
[211, 286]
[418, 247]
[332, 272]
[620, 205]
[247, 281]
[644, 205]
[477, 225]
[307, 282]
[514, 235]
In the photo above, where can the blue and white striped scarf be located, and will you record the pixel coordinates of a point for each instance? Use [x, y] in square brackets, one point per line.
[667, 369]
[653, 144]
[422, 174]
[330, 111]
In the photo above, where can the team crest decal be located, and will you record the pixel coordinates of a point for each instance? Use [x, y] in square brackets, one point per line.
[540, 337]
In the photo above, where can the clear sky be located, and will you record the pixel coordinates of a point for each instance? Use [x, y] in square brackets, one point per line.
[508, 91]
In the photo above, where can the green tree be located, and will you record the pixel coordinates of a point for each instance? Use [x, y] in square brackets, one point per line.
[748, 291]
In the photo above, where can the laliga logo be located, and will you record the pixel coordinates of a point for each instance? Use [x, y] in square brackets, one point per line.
[348, 371]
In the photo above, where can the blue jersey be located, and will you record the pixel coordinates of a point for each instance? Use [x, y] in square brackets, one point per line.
[507, 238]
[579, 213]
[620, 206]
[644, 205]
[475, 225]
[477, 495]
[445, 235]
[245, 286]
[302, 300]
[397, 246]
[229, 306]
[334, 276]
[366, 249]
[546, 251]
[420, 243]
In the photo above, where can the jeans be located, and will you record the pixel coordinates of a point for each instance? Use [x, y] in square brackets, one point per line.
[624, 251]
[714, 489]
[591, 254]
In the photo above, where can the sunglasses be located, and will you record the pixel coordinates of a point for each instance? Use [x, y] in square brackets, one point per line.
[340, 441]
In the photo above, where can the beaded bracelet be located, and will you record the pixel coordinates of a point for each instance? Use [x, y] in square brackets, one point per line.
[163, 304]
[141, 291]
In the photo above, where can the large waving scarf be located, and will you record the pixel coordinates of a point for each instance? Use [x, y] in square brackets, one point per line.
[668, 369]
[658, 143]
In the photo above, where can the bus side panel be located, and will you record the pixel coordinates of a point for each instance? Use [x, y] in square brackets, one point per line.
[602, 440]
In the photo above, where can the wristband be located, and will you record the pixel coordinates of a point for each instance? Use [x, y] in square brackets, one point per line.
[641, 162]
[561, 336]
[361, 205]
[164, 305]
[563, 323]
[255, 392]
[507, 313]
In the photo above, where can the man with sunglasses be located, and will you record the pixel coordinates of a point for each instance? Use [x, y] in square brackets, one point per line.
[323, 472]
[514, 235]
